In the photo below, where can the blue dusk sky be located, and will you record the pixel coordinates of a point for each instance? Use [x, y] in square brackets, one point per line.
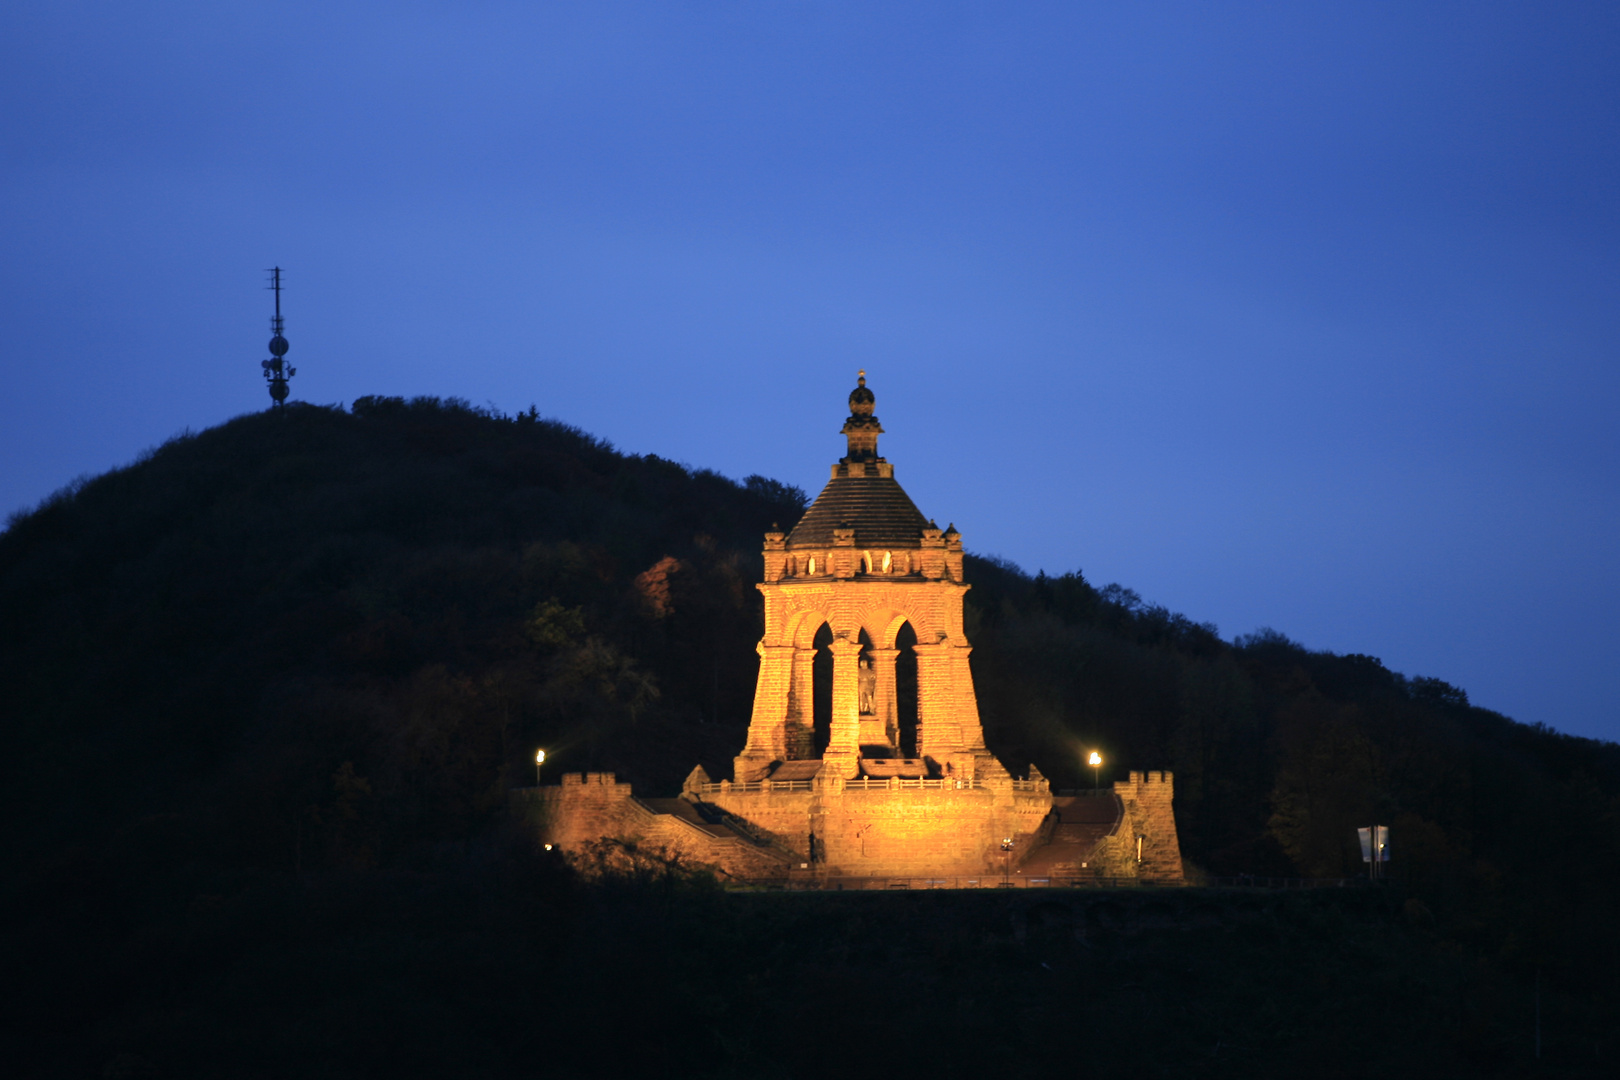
[1298, 315]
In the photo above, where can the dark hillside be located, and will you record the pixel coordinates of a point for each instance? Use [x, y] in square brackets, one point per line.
[1509, 833]
[298, 660]
[327, 637]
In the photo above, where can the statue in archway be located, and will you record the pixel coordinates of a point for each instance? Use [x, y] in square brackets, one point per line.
[867, 682]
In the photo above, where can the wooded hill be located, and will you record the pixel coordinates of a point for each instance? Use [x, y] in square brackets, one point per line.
[317, 642]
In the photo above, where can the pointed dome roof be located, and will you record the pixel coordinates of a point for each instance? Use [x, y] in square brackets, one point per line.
[862, 494]
[876, 507]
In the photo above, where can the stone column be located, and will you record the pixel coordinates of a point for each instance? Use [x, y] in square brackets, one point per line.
[766, 729]
[887, 705]
[969, 728]
[801, 706]
[844, 745]
[936, 722]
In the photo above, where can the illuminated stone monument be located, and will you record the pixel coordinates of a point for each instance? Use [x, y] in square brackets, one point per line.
[873, 791]
[864, 562]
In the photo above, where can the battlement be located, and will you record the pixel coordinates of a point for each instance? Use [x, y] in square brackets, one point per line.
[1148, 799]
[1147, 779]
[604, 779]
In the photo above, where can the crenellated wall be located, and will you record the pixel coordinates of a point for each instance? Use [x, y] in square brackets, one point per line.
[1149, 814]
[584, 806]
[868, 828]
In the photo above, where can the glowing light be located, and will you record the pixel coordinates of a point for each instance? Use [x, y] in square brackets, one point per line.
[1096, 758]
[540, 757]
[548, 847]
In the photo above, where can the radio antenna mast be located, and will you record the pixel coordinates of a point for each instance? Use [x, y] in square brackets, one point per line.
[276, 370]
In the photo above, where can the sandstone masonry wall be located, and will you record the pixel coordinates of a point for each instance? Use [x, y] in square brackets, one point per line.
[586, 807]
[891, 829]
[1149, 815]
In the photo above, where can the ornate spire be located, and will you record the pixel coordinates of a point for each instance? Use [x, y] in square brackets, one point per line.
[862, 428]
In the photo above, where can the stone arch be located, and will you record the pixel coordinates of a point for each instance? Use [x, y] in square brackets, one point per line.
[884, 623]
[800, 627]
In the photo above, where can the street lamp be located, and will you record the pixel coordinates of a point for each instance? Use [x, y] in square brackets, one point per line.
[539, 760]
[1006, 862]
[1096, 770]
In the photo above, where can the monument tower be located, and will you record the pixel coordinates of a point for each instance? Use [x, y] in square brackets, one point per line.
[864, 562]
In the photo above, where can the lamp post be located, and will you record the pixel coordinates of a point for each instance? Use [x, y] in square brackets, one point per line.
[1006, 862]
[1096, 771]
[539, 760]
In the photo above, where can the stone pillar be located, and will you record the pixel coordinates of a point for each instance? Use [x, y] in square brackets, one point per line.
[965, 706]
[801, 706]
[936, 724]
[767, 737]
[843, 748]
[887, 706]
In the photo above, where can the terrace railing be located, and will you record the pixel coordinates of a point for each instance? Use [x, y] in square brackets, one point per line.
[726, 786]
[868, 783]
[810, 881]
[896, 783]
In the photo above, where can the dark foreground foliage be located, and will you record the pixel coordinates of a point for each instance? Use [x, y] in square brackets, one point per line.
[495, 962]
[263, 693]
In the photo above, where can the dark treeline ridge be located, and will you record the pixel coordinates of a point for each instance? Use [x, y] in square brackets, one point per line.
[265, 690]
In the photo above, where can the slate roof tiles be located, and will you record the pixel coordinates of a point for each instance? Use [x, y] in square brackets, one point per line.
[876, 507]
